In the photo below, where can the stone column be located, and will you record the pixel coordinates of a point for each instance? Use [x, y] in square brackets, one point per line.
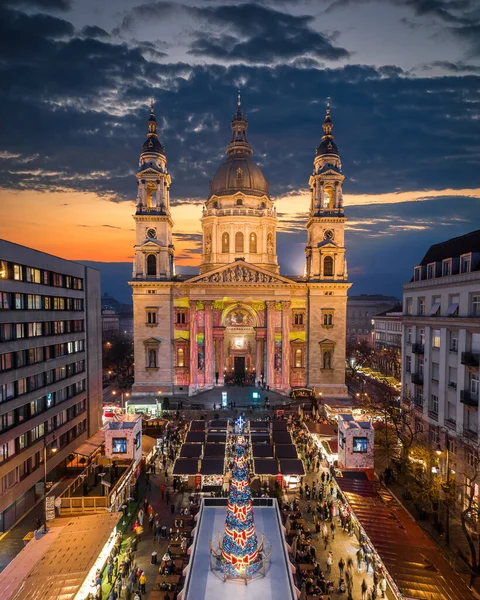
[221, 361]
[258, 359]
[193, 344]
[209, 348]
[270, 343]
[286, 318]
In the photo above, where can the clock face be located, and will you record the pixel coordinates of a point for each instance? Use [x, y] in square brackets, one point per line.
[328, 234]
[151, 233]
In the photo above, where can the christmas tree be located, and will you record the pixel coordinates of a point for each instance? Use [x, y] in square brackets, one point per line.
[240, 541]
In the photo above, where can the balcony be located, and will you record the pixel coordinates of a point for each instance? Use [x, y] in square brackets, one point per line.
[418, 349]
[468, 398]
[417, 378]
[150, 210]
[469, 359]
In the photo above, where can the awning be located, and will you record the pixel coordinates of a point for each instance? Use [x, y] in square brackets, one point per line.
[148, 444]
[331, 446]
[197, 426]
[185, 466]
[282, 437]
[265, 466]
[290, 466]
[92, 444]
[195, 436]
[214, 450]
[212, 466]
[286, 451]
[191, 450]
[322, 429]
[262, 450]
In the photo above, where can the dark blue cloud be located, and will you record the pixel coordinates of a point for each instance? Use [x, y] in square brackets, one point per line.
[94, 32]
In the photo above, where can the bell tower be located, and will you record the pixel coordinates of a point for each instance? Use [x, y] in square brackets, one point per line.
[154, 250]
[325, 251]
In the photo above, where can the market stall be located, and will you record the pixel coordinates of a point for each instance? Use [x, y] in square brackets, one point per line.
[212, 474]
[191, 450]
[262, 451]
[292, 470]
[286, 451]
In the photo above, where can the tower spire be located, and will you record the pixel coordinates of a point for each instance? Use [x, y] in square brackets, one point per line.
[152, 143]
[327, 146]
[239, 143]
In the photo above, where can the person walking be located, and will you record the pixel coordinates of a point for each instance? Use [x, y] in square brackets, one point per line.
[110, 571]
[162, 490]
[329, 562]
[359, 559]
[341, 566]
[143, 582]
[364, 589]
[383, 586]
[332, 529]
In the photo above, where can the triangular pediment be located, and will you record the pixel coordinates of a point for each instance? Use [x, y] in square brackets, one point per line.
[150, 171]
[327, 244]
[239, 272]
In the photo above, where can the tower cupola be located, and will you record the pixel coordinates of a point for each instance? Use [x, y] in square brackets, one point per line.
[327, 145]
[152, 144]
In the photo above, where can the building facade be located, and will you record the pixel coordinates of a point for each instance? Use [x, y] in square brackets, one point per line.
[239, 319]
[50, 368]
[360, 312]
[441, 341]
[387, 341]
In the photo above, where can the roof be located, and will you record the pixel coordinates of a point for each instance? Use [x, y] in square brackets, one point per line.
[263, 450]
[197, 426]
[265, 466]
[220, 424]
[185, 466]
[212, 466]
[56, 565]
[291, 466]
[259, 437]
[219, 436]
[195, 436]
[227, 179]
[279, 426]
[148, 444]
[322, 429]
[286, 451]
[454, 247]
[390, 312]
[331, 446]
[281, 437]
[214, 450]
[191, 450]
[259, 426]
[411, 558]
[92, 444]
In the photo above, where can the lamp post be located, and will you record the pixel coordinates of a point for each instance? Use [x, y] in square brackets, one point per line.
[45, 471]
[446, 488]
[122, 395]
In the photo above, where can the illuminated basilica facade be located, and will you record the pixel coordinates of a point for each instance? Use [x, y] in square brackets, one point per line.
[239, 319]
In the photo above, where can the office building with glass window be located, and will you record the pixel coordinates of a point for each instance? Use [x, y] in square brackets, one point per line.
[441, 340]
[50, 369]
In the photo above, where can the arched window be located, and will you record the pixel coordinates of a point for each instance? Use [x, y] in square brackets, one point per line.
[225, 242]
[328, 266]
[327, 359]
[239, 241]
[151, 264]
[253, 243]
[298, 357]
[328, 201]
[152, 358]
[180, 357]
[328, 319]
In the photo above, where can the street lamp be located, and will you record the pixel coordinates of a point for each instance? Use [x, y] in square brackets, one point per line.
[446, 487]
[53, 450]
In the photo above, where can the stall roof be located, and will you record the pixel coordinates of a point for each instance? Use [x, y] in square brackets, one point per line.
[92, 444]
[259, 438]
[148, 444]
[282, 437]
[212, 466]
[412, 559]
[220, 424]
[291, 466]
[185, 466]
[279, 425]
[197, 426]
[286, 451]
[56, 565]
[219, 436]
[214, 450]
[322, 429]
[262, 450]
[265, 466]
[331, 446]
[195, 436]
[191, 450]
[259, 425]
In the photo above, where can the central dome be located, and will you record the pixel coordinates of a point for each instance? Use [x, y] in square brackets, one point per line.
[239, 174]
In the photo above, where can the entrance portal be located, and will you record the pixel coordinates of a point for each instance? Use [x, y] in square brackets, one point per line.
[239, 367]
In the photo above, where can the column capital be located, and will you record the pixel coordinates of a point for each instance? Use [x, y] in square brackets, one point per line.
[286, 304]
[208, 303]
[271, 304]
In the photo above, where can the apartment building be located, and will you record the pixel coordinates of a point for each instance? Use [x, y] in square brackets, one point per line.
[50, 369]
[441, 340]
[387, 341]
[360, 312]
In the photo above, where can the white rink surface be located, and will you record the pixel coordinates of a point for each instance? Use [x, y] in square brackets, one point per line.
[205, 584]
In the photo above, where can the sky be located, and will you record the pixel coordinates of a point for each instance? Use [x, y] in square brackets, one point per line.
[403, 78]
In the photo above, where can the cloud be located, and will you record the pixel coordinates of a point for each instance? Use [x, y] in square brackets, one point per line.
[94, 32]
[257, 34]
[60, 5]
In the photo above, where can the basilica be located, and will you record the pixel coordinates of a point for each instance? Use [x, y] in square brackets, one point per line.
[239, 320]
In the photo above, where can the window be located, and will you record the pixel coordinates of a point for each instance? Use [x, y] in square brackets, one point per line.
[328, 266]
[408, 306]
[152, 359]
[431, 271]
[138, 440]
[19, 305]
[433, 407]
[409, 335]
[298, 318]
[447, 267]
[239, 202]
[436, 338]
[422, 336]
[32, 275]
[225, 242]
[360, 444]
[34, 329]
[436, 305]
[433, 434]
[453, 304]
[421, 306]
[151, 264]
[18, 272]
[475, 305]
[180, 357]
[328, 319]
[435, 371]
[474, 384]
[408, 364]
[253, 243]
[6, 361]
[452, 377]
[453, 341]
[465, 263]
[5, 301]
[151, 317]
[181, 317]
[119, 445]
[3, 269]
[239, 241]
[451, 412]
[298, 358]
[417, 275]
